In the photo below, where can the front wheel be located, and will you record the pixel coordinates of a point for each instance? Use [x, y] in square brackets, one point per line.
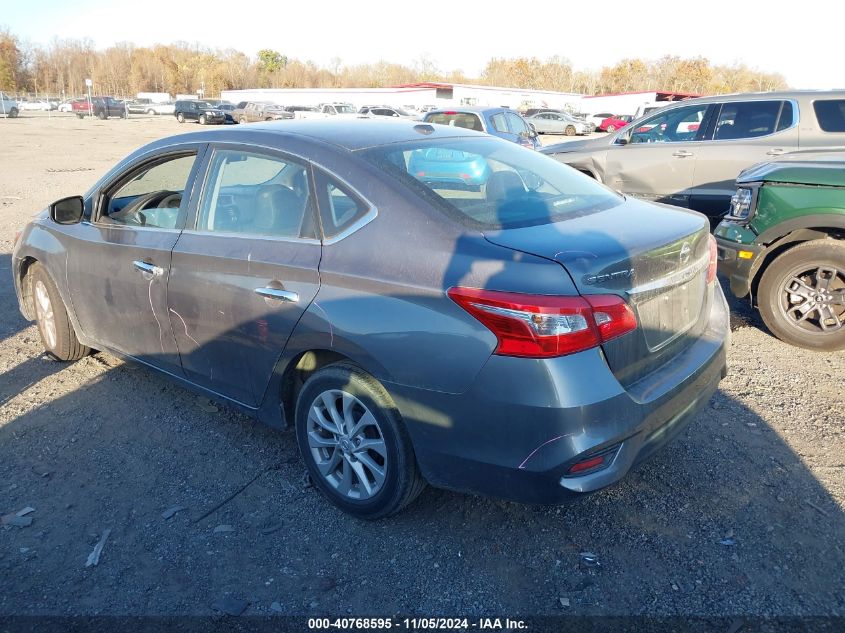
[802, 295]
[180, 117]
[570, 130]
[201, 119]
[354, 443]
[610, 128]
[54, 326]
[101, 115]
[13, 113]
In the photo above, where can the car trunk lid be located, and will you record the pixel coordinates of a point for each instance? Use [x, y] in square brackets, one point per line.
[654, 256]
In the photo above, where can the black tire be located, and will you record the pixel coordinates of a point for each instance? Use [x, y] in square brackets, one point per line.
[779, 301]
[63, 345]
[180, 117]
[570, 130]
[151, 112]
[402, 479]
[610, 128]
[101, 115]
[13, 113]
[201, 119]
[81, 116]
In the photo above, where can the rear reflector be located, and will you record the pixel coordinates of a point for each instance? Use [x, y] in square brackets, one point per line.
[544, 326]
[587, 464]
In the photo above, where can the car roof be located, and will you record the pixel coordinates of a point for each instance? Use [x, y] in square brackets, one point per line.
[473, 109]
[763, 96]
[348, 134]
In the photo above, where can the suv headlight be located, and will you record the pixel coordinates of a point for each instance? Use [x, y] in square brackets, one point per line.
[742, 204]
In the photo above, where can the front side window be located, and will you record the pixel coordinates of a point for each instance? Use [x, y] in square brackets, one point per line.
[152, 195]
[490, 183]
[747, 119]
[515, 123]
[830, 114]
[256, 194]
[672, 126]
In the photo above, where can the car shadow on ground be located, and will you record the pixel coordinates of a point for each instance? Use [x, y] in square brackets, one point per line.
[726, 520]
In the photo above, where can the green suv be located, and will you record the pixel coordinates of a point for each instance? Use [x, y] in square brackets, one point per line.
[783, 244]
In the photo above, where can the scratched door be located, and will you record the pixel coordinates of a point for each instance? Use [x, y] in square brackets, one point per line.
[119, 256]
[244, 270]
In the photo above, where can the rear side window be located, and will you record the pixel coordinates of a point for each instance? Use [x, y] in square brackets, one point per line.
[830, 114]
[499, 122]
[468, 120]
[256, 194]
[339, 207]
[747, 119]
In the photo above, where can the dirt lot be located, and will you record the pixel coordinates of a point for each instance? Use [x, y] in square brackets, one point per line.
[743, 515]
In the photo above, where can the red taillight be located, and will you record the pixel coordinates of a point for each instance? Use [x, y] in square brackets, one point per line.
[450, 112]
[543, 326]
[714, 260]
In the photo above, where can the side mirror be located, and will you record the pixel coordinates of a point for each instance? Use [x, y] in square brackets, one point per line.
[67, 210]
[623, 139]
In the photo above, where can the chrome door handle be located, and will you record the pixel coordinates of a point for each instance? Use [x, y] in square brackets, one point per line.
[776, 151]
[277, 294]
[682, 153]
[148, 269]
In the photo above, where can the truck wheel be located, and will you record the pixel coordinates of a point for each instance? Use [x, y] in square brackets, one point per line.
[54, 325]
[802, 295]
[570, 130]
[101, 115]
[201, 120]
[180, 117]
[151, 111]
[13, 113]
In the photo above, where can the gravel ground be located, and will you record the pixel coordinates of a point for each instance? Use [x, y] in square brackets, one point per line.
[742, 515]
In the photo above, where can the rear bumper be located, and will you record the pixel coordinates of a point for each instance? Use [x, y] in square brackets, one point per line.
[516, 433]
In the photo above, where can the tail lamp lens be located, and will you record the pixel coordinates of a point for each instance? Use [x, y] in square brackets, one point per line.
[544, 326]
[714, 259]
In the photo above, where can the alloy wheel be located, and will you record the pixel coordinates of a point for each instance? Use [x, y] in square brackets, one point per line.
[347, 444]
[44, 314]
[813, 299]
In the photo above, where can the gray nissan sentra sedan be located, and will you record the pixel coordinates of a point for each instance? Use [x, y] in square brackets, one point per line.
[421, 303]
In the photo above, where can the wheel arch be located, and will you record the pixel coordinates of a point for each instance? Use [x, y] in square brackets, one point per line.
[27, 307]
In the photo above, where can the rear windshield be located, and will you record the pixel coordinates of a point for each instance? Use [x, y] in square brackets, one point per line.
[831, 114]
[491, 183]
[466, 120]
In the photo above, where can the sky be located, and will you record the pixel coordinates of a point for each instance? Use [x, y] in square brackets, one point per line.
[799, 40]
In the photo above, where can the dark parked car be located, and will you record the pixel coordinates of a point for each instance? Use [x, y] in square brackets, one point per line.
[501, 122]
[533, 339]
[199, 111]
[100, 107]
[783, 243]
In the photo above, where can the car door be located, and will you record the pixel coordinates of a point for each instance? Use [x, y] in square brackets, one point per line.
[245, 270]
[743, 133]
[656, 160]
[118, 271]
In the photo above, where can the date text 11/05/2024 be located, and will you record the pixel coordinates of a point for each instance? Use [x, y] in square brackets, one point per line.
[413, 624]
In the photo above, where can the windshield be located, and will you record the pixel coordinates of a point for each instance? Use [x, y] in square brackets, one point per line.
[490, 183]
[344, 109]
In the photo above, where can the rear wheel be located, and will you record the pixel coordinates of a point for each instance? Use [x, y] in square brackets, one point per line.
[354, 443]
[13, 113]
[81, 116]
[151, 111]
[54, 325]
[570, 130]
[242, 120]
[802, 295]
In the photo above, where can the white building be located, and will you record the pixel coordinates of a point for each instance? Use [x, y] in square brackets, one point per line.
[414, 95]
[629, 102]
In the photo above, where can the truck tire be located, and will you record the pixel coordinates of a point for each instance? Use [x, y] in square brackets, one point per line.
[802, 295]
[13, 113]
[101, 115]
